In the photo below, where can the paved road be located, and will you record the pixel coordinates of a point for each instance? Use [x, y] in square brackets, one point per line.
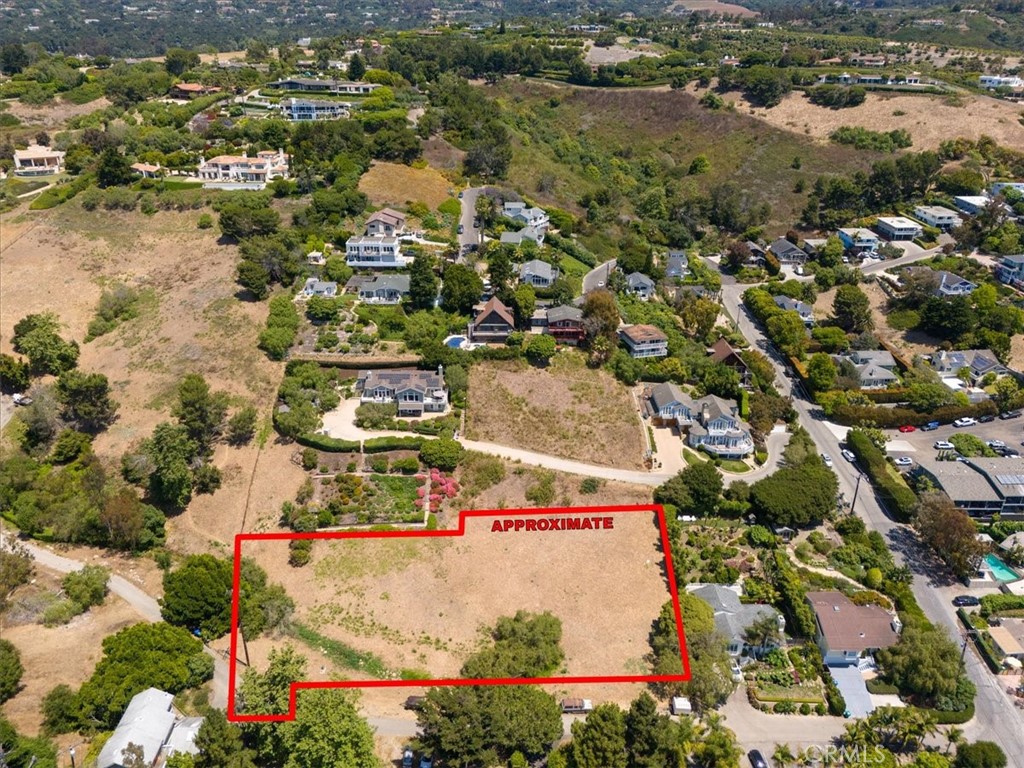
[470, 234]
[6, 410]
[146, 606]
[996, 719]
[598, 276]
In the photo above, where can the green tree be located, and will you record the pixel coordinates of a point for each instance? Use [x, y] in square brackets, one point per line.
[422, 281]
[499, 268]
[197, 595]
[950, 533]
[13, 58]
[242, 425]
[14, 374]
[980, 754]
[178, 61]
[328, 731]
[239, 221]
[199, 410]
[254, 277]
[461, 289]
[600, 740]
[88, 586]
[788, 331]
[86, 399]
[524, 302]
[852, 309]
[924, 663]
[62, 712]
[113, 169]
[541, 348]
[443, 453]
[601, 316]
[700, 164]
[220, 744]
[644, 733]
[831, 338]
[322, 309]
[171, 452]
[11, 670]
[821, 372]
[267, 693]
[831, 253]
[705, 485]
[38, 338]
[356, 67]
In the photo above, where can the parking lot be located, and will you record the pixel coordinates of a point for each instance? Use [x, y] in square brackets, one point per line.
[1010, 431]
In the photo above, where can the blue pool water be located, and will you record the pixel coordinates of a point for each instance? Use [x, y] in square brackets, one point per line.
[1001, 570]
[456, 341]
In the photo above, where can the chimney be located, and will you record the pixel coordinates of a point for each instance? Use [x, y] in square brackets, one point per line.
[440, 370]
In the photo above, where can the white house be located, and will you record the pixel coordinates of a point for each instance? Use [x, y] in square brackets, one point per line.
[303, 110]
[414, 392]
[712, 423]
[1011, 270]
[999, 186]
[251, 172]
[938, 216]
[858, 239]
[946, 283]
[312, 85]
[971, 204]
[538, 273]
[375, 252]
[325, 288]
[847, 631]
[386, 221]
[151, 724]
[37, 160]
[898, 228]
[644, 341]
[1000, 81]
[529, 216]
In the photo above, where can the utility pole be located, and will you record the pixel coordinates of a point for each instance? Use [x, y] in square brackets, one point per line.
[856, 490]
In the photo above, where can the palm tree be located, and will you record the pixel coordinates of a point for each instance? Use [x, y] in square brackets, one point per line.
[783, 755]
[954, 737]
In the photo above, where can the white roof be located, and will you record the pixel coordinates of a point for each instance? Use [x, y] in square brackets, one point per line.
[901, 222]
[36, 151]
[147, 723]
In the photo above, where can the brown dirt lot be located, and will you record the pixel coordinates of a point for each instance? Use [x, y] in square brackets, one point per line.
[424, 603]
[713, 6]
[930, 120]
[56, 655]
[395, 184]
[53, 115]
[566, 410]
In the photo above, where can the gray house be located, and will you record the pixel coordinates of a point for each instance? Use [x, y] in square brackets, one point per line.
[151, 724]
[732, 617]
[536, 234]
[384, 289]
[793, 305]
[788, 253]
[677, 265]
[414, 392]
[538, 273]
[712, 423]
[640, 285]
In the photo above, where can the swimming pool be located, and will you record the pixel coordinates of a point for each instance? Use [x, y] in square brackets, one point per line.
[455, 342]
[1000, 570]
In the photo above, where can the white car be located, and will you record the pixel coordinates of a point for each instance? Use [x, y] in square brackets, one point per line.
[849, 456]
[995, 444]
[903, 461]
[943, 445]
[827, 459]
[966, 421]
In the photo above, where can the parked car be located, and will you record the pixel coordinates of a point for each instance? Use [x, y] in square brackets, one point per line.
[1009, 415]
[943, 445]
[20, 399]
[908, 428]
[904, 461]
[995, 444]
[756, 759]
[461, 229]
[964, 601]
[931, 426]
[827, 459]
[407, 758]
[426, 762]
[848, 455]
[1007, 453]
[966, 421]
[986, 418]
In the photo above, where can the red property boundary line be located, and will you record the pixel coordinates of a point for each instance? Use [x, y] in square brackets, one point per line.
[460, 531]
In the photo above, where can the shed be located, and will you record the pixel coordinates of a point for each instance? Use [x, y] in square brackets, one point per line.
[680, 705]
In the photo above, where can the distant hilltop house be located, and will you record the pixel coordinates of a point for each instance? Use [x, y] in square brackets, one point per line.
[192, 90]
[538, 273]
[869, 60]
[234, 171]
[998, 186]
[1000, 81]
[712, 423]
[38, 160]
[946, 283]
[938, 216]
[147, 170]
[644, 341]
[493, 323]
[413, 392]
[1011, 271]
[312, 85]
[151, 724]
[304, 110]
[856, 78]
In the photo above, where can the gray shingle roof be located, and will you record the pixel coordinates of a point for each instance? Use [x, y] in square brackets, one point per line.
[665, 394]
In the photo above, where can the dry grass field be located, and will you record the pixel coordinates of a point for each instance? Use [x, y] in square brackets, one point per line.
[713, 6]
[52, 115]
[396, 184]
[424, 604]
[565, 410]
[930, 120]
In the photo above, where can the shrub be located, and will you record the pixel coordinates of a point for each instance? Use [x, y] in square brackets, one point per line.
[310, 458]
[999, 603]
[383, 444]
[11, 670]
[761, 536]
[784, 708]
[329, 444]
[805, 708]
[590, 485]
[60, 612]
[86, 587]
[406, 466]
[444, 454]
[379, 464]
[893, 491]
[205, 221]
[299, 552]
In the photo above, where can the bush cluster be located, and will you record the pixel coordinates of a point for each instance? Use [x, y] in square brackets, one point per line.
[894, 493]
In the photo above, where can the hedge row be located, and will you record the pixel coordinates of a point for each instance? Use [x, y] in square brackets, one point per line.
[799, 616]
[894, 492]
[895, 395]
[951, 718]
[329, 444]
[1001, 602]
[890, 418]
[987, 653]
[382, 444]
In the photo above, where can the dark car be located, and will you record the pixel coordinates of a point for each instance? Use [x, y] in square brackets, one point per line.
[931, 426]
[461, 229]
[964, 601]
[986, 418]
[1009, 415]
[756, 759]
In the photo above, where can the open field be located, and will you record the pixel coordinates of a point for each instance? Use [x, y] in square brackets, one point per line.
[396, 184]
[423, 604]
[52, 115]
[565, 410]
[930, 120]
[620, 52]
[713, 6]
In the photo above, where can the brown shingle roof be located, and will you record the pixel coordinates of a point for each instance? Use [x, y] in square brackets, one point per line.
[850, 627]
[494, 305]
[641, 333]
[721, 350]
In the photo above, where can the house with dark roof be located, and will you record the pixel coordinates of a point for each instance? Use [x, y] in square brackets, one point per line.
[978, 362]
[787, 253]
[384, 289]
[980, 486]
[711, 423]
[538, 273]
[677, 265]
[640, 285]
[644, 341]
[722, 352]
[413, 392]
[946, 283]
[757, 253]
[565, 323]
[493, 323]
[1011, 271]
[534, 234]
[794, 305]
[385, 222]
[846, 632]
[733, 617]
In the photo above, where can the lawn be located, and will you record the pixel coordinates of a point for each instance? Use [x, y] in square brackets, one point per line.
[395, 184]
[566, 410]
